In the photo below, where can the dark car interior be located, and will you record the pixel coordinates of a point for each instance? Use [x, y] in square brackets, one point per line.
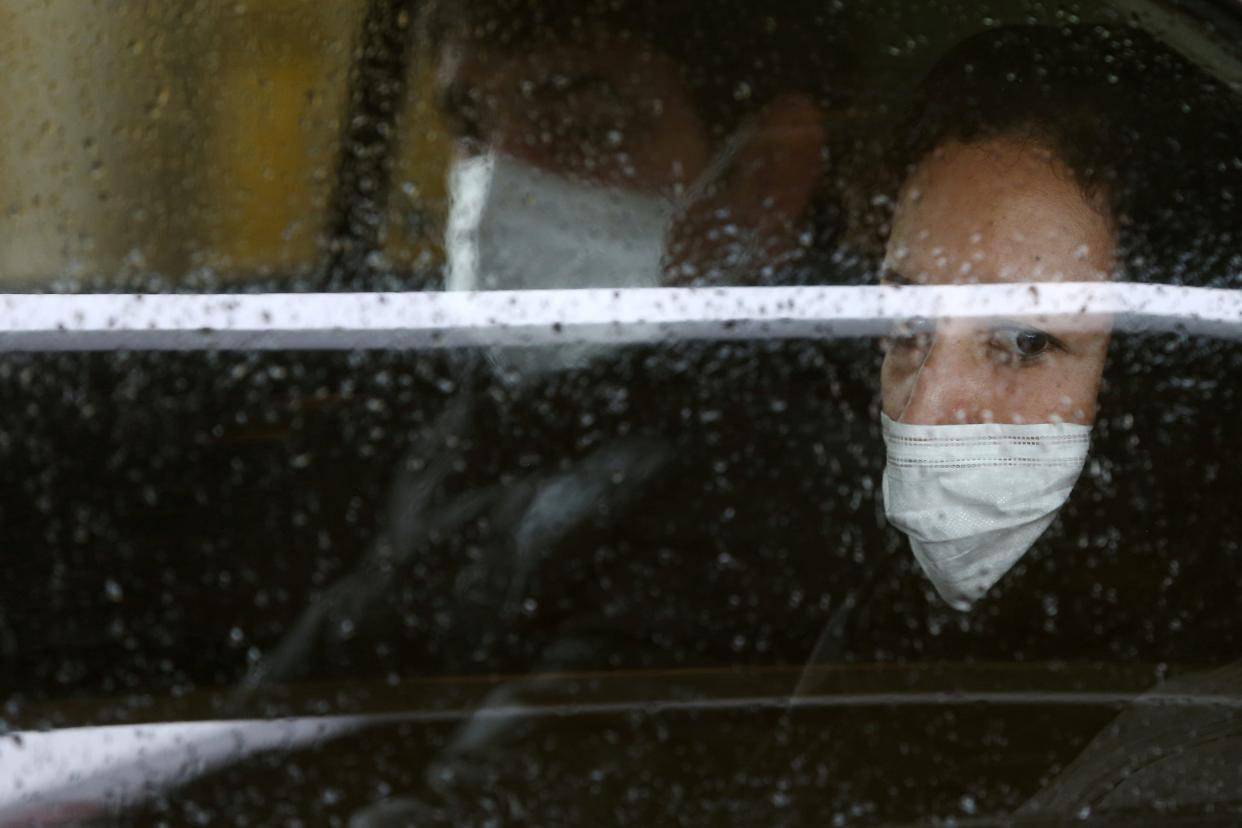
[658, 588]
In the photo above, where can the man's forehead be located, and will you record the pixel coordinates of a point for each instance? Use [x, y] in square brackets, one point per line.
[982, 215]
[1005, 251]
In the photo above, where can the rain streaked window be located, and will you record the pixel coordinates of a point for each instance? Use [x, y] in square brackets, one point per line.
[558, 412]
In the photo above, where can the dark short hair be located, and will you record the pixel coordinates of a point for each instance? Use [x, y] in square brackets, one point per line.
[736, 55]
[1148, 136]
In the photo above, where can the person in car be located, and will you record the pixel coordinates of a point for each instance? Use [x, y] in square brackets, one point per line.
[637, 144]
[1011, 178]
[1055, 155]
[1002, 173]
[603, 144]
[565, 520]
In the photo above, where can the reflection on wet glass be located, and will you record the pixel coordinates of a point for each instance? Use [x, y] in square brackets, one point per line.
[652, 583]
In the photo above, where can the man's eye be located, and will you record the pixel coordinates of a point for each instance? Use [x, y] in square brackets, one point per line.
[1024, 343]
[1032, 343]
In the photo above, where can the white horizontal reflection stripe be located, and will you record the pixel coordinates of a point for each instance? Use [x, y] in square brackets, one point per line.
[121, 765]
[344, 321]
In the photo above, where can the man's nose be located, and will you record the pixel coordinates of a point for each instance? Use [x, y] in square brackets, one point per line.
[948, 388]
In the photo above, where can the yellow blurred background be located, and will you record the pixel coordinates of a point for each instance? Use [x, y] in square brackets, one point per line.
[174, 138]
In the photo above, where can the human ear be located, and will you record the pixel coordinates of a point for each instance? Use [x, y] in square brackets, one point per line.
[750, 217]
[778, 167]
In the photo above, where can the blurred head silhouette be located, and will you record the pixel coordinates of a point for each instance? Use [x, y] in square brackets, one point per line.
[603, 144]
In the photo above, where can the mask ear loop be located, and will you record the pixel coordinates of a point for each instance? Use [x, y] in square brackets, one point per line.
[717, 167]
[918, 376]
[717, 172]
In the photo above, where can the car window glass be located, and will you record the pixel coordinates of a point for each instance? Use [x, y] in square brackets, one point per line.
[620, 413]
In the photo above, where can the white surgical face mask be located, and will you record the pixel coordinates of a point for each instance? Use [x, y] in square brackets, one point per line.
[513, 226]
[973, 498]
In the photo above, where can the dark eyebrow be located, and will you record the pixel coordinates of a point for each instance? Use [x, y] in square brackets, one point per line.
[888, 276]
